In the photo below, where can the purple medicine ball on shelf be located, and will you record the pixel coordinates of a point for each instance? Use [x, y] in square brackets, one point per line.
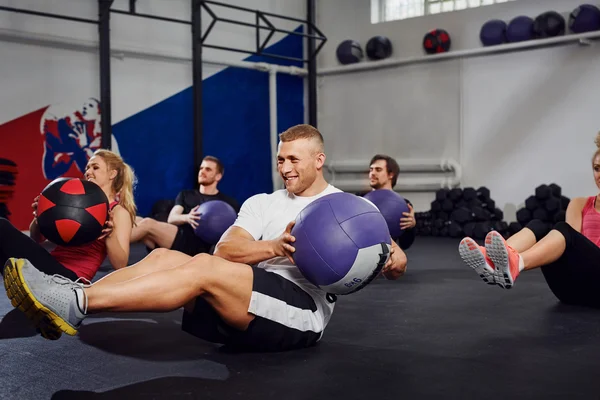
[493, 32]
[391, 205]
[585, 18]
[342, 243]
[217, 217]
[520, 29]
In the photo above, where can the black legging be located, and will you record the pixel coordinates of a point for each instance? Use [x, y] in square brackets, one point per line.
[407, 238]
[575, 277]
[14, 243]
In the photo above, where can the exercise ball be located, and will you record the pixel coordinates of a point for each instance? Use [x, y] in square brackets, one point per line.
[342, 243]
[216, 217]
[437, 41]
[549, 24]
[493, 33]
[520, 29]
[72, 212]
[349, 52]
[585, 18]
[379, 47]
[391, 205]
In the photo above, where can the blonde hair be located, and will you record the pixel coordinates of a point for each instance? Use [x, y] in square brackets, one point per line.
[124, 181]
[303, 131]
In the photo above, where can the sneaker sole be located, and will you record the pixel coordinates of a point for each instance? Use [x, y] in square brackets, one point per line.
[496, 249]
[49, 332]
[22, 298]
[472, 256]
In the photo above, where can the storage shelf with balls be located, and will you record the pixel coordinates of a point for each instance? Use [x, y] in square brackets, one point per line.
[582, 39]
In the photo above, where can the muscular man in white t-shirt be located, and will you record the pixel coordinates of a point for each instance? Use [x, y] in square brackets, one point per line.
[249, 294]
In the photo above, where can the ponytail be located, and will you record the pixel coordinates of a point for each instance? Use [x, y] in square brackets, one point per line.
[124, 181]
[126, 193]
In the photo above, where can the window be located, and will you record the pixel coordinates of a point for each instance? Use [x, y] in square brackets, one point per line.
[390, 10]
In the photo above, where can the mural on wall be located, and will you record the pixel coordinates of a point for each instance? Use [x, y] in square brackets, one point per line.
[51, 142]
[70, 137]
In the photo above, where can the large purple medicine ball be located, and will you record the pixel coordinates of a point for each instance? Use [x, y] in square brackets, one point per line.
[391, 205]
[342, 242]
[217, 216]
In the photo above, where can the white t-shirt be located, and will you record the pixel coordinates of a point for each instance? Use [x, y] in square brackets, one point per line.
[265, 216]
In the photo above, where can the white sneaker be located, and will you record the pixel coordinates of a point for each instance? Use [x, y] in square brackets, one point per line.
[50, 301]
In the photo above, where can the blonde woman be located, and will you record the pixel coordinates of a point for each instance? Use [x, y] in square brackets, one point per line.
[115, 177]
[568, 255]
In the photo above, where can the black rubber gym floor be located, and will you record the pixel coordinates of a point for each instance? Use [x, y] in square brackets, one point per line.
[439, 332]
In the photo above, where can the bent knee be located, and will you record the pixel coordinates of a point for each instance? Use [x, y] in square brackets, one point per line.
[159, 252]
[562, 225]
[146, 222]
[203, 260]
[5, 225]
[211, 268]
[566, 230]
[223, 283]
[174, 256]
[539, 228]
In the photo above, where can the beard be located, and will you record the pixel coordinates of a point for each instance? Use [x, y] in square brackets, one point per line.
[376, 185]
[206, 181]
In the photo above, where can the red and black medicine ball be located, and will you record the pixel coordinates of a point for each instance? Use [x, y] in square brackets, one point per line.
[72, 212]
[437, 41]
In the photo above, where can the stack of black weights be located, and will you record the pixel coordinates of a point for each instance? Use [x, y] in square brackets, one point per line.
[547, 204]
[461, 212]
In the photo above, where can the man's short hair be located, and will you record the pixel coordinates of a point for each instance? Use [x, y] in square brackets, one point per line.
[303, 131]
[220, 168]
[392, 166]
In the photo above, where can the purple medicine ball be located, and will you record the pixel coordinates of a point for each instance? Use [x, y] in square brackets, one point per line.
[342, 242]
[217, 217]
[391, 205]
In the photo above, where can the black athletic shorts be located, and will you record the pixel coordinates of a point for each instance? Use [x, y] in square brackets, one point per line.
[278, 297]
[188, 243]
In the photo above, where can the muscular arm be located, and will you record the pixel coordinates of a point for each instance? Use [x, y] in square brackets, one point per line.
[574, 210]
[237, 245]
[117, 244]
[176, 216]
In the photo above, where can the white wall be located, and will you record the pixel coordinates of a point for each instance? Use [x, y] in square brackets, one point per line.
[531, 120]
[513, 111]
[137, 82]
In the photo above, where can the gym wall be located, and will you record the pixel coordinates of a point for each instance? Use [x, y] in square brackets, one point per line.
[525, 118]
[50, 79]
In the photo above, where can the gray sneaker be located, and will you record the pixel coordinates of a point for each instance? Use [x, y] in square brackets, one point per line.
[48, 300]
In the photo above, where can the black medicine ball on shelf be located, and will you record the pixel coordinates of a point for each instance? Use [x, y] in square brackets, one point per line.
[437, 41]
[549, 24]
[349, 52]
[379, 47]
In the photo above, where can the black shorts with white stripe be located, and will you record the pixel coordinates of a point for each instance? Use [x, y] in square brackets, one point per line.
[263, 334]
